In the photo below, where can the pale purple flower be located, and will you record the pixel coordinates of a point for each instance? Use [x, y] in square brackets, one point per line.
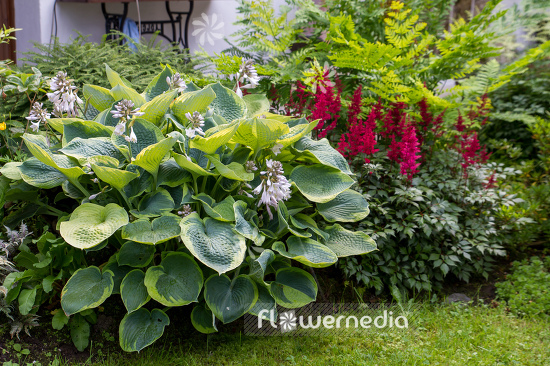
[187, 210]
[120, 129]
[176, 82]
[274, 187]
[196, 123]
[37, 115]
[277, 149]
[125, 110]
[63, 95]
[132, 137]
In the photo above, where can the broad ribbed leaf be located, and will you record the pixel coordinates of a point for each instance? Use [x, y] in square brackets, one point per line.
[150, 157]
[83, 129]
[86, 289]
[203, 320]
[82, 149]
[213, 141]
[293, 288]
[297, 132]
[320, 183]
[158, 231]
[115, 79]
[348, 206]
[105, 168]
[135, 254]
[119, 272]
[90, 224]
[38, 174]
[227, 103]
[158, 85]
[258, 266]
[233, 171]
[172, 175]
[156, 109]
[256, 104]
[154, 204]
[177, 281]
[146, 133]
[244, 225]
[133, 291]
[321, 152]
[265, 305]
[11, 170]
[191, 102]
[306, 251]
[346, 243]
[259, 133]
[121, 92]
[229, 300]
[213, 242]
[140, 329]
[222, 211]
[189, 165]
[99, 97]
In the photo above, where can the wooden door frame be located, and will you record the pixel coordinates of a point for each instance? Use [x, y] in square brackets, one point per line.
[7, 17]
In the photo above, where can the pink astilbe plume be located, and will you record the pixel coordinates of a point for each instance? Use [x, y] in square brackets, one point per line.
[326, 108]
[409, 148]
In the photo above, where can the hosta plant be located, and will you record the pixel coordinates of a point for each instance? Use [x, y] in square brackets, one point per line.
[195, 196]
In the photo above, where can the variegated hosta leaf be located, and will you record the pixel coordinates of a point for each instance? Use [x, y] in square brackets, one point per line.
[190, 166]
[346, 243]
[90, 224]
[203, 320]
[106, 169]
[227, 103]
[150, 157]
[141, 328]
[158, 85]
[172, 175]
[293, 288]
[213, 141]
[158, 231]
[259, 133]
[229, 300]
[156, 109]
[73, 128]
[37, 145]
[177, 281]
[265, 305]
[306, 251]
[305, 222]
[135, 254]
[115, 79]
[233, 171]
[154, 204]
[321, 152]
[256, 104]
[147, 134]
[11, 170]
[99, 97]
[244, 224]
[119, 272]
[222, 211]
[297, 132]
[348, 206]
[82, 149]
[213, 242]
[258, 266]
[121, 92]
[38, 174]
[191, 102]
[133, 291]
[86, 289]
[320, 183]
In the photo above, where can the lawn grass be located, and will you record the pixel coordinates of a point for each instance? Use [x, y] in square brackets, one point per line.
[444, 335]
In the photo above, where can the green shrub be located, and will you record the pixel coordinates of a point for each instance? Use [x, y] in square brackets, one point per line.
[526, 288]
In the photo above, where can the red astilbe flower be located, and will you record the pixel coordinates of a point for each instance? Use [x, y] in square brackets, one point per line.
[409, 149]
[326, 108]
[298, 100]
[460, 123]
[491, 182]
[361, 137]
[355, 107]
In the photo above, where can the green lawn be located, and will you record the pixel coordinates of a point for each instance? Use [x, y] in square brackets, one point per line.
[445, 335]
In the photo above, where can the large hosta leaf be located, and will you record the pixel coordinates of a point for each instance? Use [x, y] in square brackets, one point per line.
[11, 170]
[82, 149]
[265, 303]
[222, 211]
[306, 251]
[83, 129]
[160, 230]
[212, 142]
[90, 224]
[86, 289]
[121, 92]
[293, 288]
[133, 291]
[258, 133]
[146, 133]
[229, 300]
[156, 109]
[38, 174]
[297, 132]
[321, 152]
[256, 104]
[115, 79]
[119, 272]
[98, 96]
[320, 183]
[244, 224]
[172, 175]
[105, 167]
[154, 204]
[203, 320]
[150, 157]
[191, 102]
[233, 171]
[258, 266]
[177, 281]
[213, 242]
[348, 206]
[158, 85]
[190, 166]
[140, 329]
[135, 254]
[346, 243]
[227, 103]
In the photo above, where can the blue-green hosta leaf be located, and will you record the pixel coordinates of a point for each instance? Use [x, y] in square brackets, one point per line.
[259, 133]
[158, 85]
[158, 231]
[154, 204]
[244, 225]
[150, 157]
[86, 289]
[115, 79]
[82, 149]
[106, 118]
[156, 109]
[305, 222]
[229, 300]
[38, 174]
[147, 134]
[133, 291]
[320, 183]
[136, 255]
[90, 224]
[213, 141]
[213, 242]
[119, 272]
[233, 171]
[11, 170]
[227, 103]
[105, 168]
[222, 211]
[141, 328]
[139, 185]
[346, 243]
[348, 206]
[99, 97]
[306, 251]
[172, 175]
[203, 320]
[256, 104]
[83, 129]
[177, 281]
[37, 145]
[321, 152]
[293, 288]
[297, 132]
[259, 266]
[190, 166]
[265, 305]
[191, 102]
